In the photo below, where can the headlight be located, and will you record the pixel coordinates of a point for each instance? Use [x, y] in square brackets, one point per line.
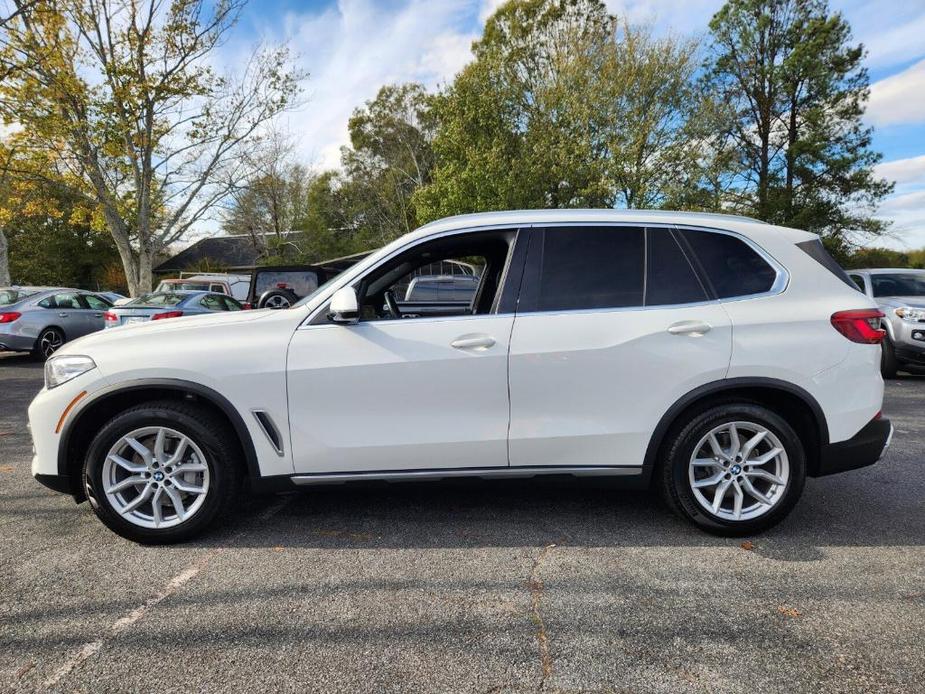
[911, 314]
[62, 369]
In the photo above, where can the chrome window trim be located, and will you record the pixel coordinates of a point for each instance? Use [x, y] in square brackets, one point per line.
[779, 286]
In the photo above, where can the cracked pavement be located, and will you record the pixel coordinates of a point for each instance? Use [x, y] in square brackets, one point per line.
[469, 586]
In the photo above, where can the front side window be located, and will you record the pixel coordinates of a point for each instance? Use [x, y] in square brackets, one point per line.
[457, 275]
[899, 284]
[591, 268]
[730, 265]
[213, 302]
[96, 303]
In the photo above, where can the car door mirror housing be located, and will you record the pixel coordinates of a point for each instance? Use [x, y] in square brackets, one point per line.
[344, 306]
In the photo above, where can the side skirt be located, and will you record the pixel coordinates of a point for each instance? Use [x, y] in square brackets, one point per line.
[480, 473]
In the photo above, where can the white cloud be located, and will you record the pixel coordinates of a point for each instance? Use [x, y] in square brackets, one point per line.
[354, 47]
[894, 45]
[902, 171]
[899, 98]
[488, 8]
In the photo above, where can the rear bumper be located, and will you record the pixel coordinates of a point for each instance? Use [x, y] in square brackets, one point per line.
[16, 343]
[863, 449]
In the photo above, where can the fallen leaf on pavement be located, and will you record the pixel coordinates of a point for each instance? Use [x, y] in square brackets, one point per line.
[747, 545]
[789, 611]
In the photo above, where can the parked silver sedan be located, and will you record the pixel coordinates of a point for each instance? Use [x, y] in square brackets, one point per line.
[41, 319]
[173, 304]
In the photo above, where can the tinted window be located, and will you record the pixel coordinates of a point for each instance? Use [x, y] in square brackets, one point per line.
[898, 285]
[587, 267]
[858, 280]
[302, 282]
[670, 279]
[815, 250]
[730, 264]
[66, 301]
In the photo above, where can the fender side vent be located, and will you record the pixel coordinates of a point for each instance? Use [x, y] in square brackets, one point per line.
[269, 428]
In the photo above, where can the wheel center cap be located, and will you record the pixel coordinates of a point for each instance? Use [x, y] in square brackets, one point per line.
[735, 469]
[158, 476]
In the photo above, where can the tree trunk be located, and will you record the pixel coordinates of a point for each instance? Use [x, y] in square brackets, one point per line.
[145, 264]
[4, 261]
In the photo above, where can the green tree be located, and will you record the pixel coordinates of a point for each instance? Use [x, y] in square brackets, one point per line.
[390, 156]
[796, 89]
[566, 106]
[121, 97]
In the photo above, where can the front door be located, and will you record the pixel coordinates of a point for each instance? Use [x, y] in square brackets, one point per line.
[613, 327]
[406, 388]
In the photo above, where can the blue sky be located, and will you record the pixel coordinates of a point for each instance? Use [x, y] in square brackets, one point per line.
[352, 47]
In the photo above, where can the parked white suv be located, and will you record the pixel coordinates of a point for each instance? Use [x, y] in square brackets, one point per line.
[719, 359]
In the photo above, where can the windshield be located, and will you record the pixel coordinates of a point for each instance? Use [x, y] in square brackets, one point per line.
[906, 284]
[158, 299]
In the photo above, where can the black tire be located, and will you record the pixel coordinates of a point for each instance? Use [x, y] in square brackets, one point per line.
[675, 486]
[277, 298]
[213, 436]
[888, 363]
[49, 341]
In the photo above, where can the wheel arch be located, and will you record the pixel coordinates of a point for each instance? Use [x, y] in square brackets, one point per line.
[82, 426]
[796, 405]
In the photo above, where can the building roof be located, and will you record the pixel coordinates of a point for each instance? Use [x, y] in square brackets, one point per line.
[231, 252]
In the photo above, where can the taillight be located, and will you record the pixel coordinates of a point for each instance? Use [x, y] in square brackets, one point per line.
[110, 317]
[860, 325]
[9, 317]
[167, 314]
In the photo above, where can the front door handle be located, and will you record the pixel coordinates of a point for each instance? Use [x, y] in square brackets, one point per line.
[473, 342]
[694, 328]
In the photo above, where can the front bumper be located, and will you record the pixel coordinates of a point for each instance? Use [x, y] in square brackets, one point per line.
[863, 449]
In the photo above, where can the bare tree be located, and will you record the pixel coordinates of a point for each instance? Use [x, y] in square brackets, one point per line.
[121, 98]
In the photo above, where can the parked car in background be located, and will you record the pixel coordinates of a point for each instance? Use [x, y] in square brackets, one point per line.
[222, 283]
[281, 286]
[172, 304]
[718, 359]
[900, 294]
[113, 297]
[40, 319]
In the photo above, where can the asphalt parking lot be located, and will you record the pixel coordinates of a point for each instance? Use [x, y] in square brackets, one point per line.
[469, 587]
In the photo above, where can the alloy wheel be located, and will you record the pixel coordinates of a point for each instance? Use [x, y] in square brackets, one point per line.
[277, 301]
[739, 471]
[155, 477]
[50, 342]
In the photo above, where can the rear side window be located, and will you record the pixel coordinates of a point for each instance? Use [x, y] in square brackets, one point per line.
[815, 250]
[670, 278]
[730, 265]
[591, 267]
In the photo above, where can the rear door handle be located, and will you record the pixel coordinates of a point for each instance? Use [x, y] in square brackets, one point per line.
[694, 328]
[98, 315]
[62, 315]
[473, 342]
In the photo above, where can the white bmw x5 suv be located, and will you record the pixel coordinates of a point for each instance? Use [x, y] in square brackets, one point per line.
[716, 358]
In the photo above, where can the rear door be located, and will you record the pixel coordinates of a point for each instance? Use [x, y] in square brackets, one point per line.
[64, 311]
[613, 326]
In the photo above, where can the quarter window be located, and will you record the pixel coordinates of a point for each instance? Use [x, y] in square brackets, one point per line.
[591, 267]
[670, 279]
[730, 264]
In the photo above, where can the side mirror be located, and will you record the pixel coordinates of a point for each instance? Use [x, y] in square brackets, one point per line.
[344, 307]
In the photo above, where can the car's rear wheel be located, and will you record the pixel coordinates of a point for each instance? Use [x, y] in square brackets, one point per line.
[735, 469]
[162, 472]
[888, 363]
[50, 340]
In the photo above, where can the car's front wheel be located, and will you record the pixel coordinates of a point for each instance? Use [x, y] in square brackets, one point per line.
[162, 472]
[735, 469]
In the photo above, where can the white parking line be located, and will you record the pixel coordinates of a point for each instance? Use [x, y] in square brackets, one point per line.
[91, 648]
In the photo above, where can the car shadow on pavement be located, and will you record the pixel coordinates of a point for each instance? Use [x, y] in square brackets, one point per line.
[536, 513]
